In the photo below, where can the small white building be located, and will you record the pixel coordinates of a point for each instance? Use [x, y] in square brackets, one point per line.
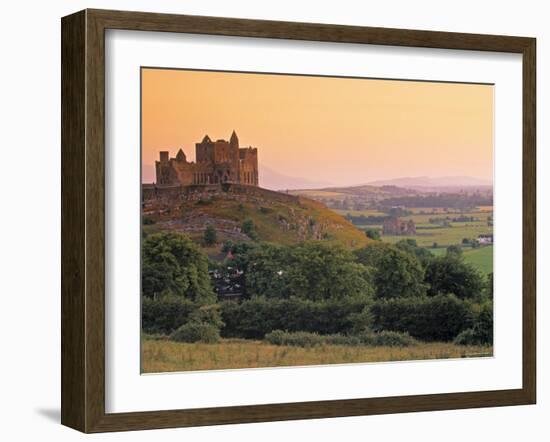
[485, 238]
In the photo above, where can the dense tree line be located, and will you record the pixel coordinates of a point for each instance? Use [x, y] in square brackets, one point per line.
[314, 287]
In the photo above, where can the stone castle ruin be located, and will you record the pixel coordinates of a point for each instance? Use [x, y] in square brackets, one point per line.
[216, 162]
[395, 226]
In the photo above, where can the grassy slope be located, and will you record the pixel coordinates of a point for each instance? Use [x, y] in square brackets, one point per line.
[161, 356]
[267, 220]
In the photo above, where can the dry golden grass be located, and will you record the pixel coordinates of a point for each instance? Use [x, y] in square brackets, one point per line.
[162, 355]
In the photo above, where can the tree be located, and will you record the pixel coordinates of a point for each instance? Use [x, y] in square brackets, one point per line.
[173, 265]
[409, 245]
[373, 234]
[249, 228]
[450, 274]
[455, 250]
[227, 246]
[482, 331]
[210, 235]
[311, 270]
[437, 318]
[396, 273]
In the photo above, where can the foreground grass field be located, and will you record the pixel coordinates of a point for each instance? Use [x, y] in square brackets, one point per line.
[162, 355]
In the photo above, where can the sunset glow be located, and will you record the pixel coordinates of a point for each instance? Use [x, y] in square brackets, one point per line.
[325, 130]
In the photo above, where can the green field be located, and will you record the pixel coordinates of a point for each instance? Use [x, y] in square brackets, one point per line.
[427, 234]
[443, 236]
[482, 258]
[163, 355]
[422, 215]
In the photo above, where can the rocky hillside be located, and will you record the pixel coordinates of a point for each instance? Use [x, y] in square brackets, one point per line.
[277, 217]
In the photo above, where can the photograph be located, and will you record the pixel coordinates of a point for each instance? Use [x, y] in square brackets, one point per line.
[305, 220]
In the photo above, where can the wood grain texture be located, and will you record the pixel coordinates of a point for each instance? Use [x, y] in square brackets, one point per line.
[73, 254]
[83, 220]
[529, 221]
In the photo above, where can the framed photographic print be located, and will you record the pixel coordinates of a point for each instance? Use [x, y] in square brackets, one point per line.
[268, 220]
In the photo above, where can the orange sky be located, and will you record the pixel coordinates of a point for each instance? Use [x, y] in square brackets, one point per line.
[324, 130]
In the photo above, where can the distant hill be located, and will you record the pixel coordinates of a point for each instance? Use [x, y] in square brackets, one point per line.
[364, 191]
[277, 217]
[435, 183]
[273, 180]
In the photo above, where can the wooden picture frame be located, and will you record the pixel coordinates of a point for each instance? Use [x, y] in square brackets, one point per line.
[83, 220]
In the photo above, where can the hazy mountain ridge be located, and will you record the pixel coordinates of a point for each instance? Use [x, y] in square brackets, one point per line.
[273, 180]
[425, 183]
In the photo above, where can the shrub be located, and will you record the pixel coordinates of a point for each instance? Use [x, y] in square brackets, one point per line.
[438, 318]
[454, 249]
[195, 331]
[227, 246]
[482, 331]
[210, 236]
[466, 337]
[164, 315]
[208, 314]
[361, 321]
[450, 274]
[249, 228]
[373, 234]
[254, 318]
[147, 221]
[204, 326]
[410, 245]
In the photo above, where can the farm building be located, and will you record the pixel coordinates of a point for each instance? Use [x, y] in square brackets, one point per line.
[486, 238]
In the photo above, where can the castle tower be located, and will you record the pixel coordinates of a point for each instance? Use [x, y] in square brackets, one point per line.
[234, 140]
[180, 156]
